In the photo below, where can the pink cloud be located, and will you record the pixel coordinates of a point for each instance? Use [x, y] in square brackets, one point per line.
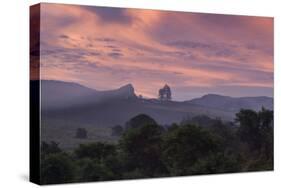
[104, 49]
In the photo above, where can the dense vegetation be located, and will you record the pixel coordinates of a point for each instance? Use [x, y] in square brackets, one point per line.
[145, 149]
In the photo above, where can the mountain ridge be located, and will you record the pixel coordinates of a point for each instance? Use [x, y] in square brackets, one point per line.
[130, 87]
[111, 107]
[233, 103]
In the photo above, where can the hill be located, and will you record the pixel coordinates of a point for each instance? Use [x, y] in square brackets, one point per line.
[233, 104]
[74, 102]
[67, 106]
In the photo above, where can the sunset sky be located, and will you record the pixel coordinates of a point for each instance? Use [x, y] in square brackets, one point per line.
[196, 54]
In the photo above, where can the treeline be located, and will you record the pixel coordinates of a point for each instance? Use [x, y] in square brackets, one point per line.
[146, 149]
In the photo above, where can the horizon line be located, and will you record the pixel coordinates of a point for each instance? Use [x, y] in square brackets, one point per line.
[145, 97]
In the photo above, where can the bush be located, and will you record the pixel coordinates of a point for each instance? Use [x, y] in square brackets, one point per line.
[93, 170]
[140, 120]
[117, 130]
[185, 146]
[96, 150]
[81, 133]
[57, 168]
[52, 147]
[142, 149]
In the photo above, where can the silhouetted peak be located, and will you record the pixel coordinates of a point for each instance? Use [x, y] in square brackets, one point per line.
[127, 89]
[214, 96]
[127, 86]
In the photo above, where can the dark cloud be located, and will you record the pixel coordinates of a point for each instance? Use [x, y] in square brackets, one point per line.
[69, 57]
[179, 53]
[241, 70]
[258, 48]
[94, 53]
[64, 54]
[178, 73]
[66, 20]
[115, 54]
[59, 21]
[110, 15]
[214, 49]
[105, 39]
[87, 64]
[110, 46]
[189, 44]
[47, 52]
[222, 20]
[225, 52]
[64, 36]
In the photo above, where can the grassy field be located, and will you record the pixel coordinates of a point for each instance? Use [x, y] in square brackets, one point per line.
[63, 132]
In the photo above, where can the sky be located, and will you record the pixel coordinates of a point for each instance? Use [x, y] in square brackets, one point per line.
[194, 53]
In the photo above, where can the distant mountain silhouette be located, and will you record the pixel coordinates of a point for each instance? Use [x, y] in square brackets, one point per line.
[124, 92]
[233, 104]
[59, 94]
[73, 102]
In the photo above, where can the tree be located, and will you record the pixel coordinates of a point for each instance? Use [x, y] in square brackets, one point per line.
[266, 119]
[142, 149]
[146, 149]
[165, 93]
[217, 162]
[172, 127]
[93, 170]
[225, 132]
[117, 130]
[96, 150]
[249, 128]
[187, 145]
[49, 148]
[57, 168]
[81, 133]
[201, 120]
[266, 123]
[139, 121]
[256, 130]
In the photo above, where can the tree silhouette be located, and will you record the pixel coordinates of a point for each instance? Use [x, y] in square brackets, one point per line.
[186, 147]
[139, 120]
[145, 149]
[81, 133]
[96, 150]
[142, 149]
[165, 93]
[256, 129]
[49, 148]
[117, 130]
[57, 168]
